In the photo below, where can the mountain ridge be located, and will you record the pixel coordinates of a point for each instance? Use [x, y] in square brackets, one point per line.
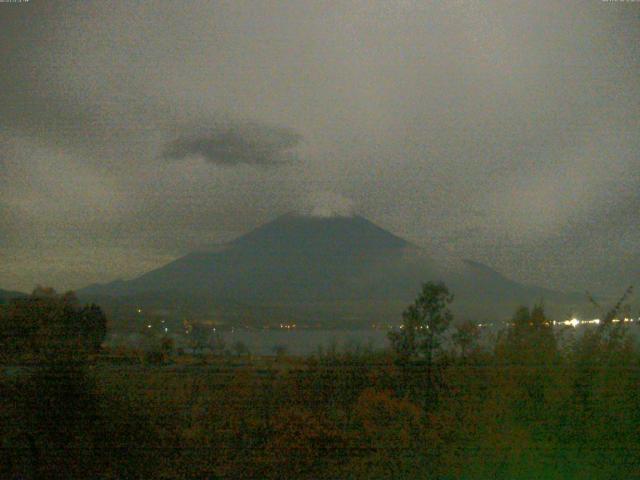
[6, 295]
[343, 260]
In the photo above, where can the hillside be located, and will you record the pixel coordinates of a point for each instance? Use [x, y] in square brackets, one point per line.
[337, 269]
[6, 295]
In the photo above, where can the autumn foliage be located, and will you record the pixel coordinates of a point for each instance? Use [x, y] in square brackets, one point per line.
[527, 406]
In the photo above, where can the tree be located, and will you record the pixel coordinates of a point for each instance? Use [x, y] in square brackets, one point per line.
[608, 344]
[465, 337]
[54, 405]
[93, 326]
[167, 346]
[200, 337]
[51, 326]
[530, 337]
[423, 324]
[218, 343]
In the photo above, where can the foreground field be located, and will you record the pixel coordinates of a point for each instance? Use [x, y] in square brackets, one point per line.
[347, 416]
[537, 403]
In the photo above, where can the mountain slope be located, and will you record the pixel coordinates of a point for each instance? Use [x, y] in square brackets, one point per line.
[335, 268]
[6, 295]
[296, 256]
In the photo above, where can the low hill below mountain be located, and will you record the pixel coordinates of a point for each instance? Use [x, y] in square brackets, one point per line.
[6, 295]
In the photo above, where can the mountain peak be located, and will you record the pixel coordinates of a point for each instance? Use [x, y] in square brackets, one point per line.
[295, 231]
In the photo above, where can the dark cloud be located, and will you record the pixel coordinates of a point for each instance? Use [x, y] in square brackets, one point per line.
[234, 144]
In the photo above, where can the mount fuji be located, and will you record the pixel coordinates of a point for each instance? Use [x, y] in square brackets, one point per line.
[337, 271]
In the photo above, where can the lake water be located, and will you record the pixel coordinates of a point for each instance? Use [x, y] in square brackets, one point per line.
[305, 342]
[266, 342]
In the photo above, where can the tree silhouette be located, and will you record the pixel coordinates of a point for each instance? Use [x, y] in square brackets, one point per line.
[465, 337]
[420, 336]
[200, 337]
[530, 337]
[49, 325]
[93, 326]
[423, 323]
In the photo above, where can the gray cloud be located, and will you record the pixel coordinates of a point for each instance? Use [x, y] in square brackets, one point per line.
[236, 143]
[424, 114]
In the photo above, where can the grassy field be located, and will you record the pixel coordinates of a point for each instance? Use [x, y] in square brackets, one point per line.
[342, 416]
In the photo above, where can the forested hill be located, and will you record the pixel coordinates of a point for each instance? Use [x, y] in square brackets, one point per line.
[6, 295]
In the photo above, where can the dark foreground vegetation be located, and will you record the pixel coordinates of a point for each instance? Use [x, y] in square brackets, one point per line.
[538, 404]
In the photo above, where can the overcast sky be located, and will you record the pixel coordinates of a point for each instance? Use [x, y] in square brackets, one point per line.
[132, 132]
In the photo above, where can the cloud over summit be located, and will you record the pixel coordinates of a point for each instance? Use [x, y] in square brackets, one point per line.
[326, 204]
